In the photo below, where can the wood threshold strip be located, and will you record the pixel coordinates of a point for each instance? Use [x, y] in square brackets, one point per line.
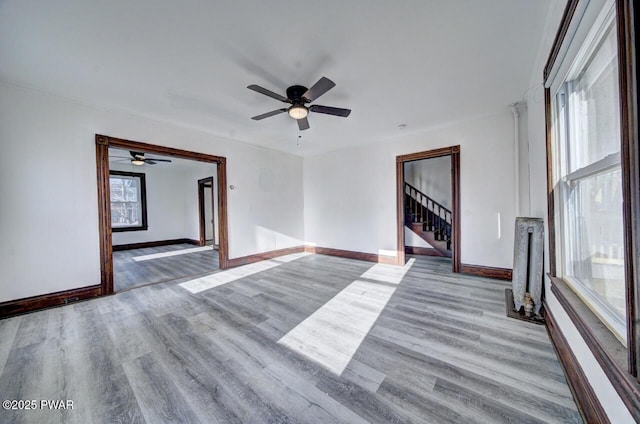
[608, 351]
[120, 247]
[588, 404]
[487, 271]
[29, 304]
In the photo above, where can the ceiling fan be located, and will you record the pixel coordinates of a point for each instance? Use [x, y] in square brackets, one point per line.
[138, 158]
[298, 96]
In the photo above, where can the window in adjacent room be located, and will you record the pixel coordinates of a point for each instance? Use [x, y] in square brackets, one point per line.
[128, 201]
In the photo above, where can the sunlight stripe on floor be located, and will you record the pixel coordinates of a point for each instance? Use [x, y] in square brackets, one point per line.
[333, 333]
[171, 253]
[233, 274]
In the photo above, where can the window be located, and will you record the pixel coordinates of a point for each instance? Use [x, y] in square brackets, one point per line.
[588, 178]
[591, 83]
[128, 201]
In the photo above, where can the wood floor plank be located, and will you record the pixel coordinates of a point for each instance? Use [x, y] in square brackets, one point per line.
[363, 375]
[274, 381]
[159, 398]
[19, 379]
[8, 330]
[421, 408]
[101, 382]
[482, 406]
[201, 383]
[389, 356]
[439, 350]
[129, 273]
[469, 361]
[314, 396]
[238, 394]
[33, 329]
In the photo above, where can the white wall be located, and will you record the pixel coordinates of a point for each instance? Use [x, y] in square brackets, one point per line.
[350, 194]
[533, 147]
[49, 215]
[432, 177]
[172, 200]
[190, 188]
[166, 205]
[525, 178]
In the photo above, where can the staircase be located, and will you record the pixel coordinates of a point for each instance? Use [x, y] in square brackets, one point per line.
[428, 219]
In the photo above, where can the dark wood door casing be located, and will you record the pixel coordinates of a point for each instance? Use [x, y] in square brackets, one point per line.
[454, 152]
[103, 143]
[204, 184]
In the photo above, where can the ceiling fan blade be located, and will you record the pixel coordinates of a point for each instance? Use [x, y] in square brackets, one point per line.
[303, 124]
[136, 155]
[323, 85]
[269, 93]
[150, 162]
[335, 111]
[268, 114]
[158, 160]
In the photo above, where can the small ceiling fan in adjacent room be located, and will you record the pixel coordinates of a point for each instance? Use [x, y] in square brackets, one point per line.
[139, 159]
[298, 96]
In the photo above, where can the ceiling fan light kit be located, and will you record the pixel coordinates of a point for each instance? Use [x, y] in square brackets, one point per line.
[298, 111]
[298, 96]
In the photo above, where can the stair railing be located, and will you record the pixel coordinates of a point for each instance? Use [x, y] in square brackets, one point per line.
[420, 208]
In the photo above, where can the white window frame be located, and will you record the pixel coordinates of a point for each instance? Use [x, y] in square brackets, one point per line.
[562, 179]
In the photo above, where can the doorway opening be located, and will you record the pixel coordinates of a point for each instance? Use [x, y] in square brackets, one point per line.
[171, 241]
[428, 204]
[207, 213]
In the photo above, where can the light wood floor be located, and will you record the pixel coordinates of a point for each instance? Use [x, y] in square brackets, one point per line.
[441, 351]
[128, 273]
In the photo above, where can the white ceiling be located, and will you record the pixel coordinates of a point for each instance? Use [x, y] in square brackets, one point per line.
[416, 62]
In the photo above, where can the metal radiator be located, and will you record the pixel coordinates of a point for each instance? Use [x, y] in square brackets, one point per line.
[528, 260]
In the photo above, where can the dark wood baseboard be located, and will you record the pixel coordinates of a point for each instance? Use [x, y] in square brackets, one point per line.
[130, 246]
[487, 271]
[349, 254]
[586, 399]
[29, 304]
[608, 351]
[244, 260]
[424, 251]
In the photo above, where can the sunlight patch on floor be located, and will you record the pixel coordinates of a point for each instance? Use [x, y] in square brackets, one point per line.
[223, 277]
[332, 334]
[172, 253]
